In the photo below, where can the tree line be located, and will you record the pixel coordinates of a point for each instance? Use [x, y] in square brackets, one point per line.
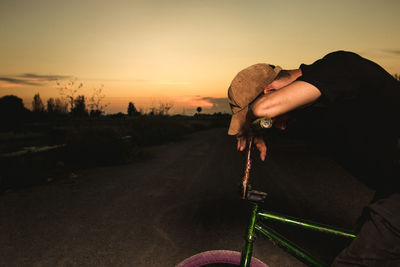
[70, 103]
[77, 107]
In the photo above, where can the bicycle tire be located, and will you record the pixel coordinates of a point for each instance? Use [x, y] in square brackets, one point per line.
[218, 257]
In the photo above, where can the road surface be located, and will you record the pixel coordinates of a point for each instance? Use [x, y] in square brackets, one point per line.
[182, 201]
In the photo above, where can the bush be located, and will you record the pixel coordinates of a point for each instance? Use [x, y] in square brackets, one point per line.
[107, 140]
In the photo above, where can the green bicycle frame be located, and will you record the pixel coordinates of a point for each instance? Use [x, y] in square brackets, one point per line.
[256, 226]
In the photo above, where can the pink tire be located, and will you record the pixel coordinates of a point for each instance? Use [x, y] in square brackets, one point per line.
[218, 257]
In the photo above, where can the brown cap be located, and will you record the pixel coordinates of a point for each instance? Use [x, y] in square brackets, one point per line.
[247, 85]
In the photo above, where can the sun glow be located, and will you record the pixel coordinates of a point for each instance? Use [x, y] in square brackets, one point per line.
[186, 52]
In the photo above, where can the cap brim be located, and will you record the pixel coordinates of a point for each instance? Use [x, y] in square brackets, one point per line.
[237, 121]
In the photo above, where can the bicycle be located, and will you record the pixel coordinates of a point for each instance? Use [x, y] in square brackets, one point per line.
[256, 225]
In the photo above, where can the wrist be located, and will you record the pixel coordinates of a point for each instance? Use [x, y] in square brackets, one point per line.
[250, 115]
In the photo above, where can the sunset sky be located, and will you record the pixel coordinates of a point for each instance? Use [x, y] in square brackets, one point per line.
[184, 52]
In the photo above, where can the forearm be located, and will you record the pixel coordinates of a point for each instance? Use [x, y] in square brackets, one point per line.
[288, 98]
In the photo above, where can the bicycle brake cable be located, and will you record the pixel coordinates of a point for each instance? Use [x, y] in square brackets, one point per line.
[256, 125]
[246, 177]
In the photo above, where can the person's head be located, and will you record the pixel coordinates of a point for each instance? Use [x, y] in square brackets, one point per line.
[247, 85]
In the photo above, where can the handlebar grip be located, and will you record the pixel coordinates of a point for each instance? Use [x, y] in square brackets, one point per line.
[262, 123]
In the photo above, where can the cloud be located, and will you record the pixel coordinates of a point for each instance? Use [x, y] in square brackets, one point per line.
[17, 81]
[30, 79]
[47, 78]
[392, 51]
[6, 84]
[210, 104]
[217, 101]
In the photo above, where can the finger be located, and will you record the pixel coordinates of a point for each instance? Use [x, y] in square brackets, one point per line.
[280, 122]
[263, 151]
[243, 144]
[260, 144]
[281, 125]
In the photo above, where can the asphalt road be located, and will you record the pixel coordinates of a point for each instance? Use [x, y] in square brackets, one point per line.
[182, 201]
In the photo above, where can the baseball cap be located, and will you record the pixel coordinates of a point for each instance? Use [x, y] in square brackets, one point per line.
[247, 85]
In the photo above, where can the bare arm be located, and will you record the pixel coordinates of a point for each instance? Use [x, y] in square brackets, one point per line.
[290, 97]
[287, 98]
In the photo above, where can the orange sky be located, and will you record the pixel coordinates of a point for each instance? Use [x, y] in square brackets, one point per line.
[179, 51]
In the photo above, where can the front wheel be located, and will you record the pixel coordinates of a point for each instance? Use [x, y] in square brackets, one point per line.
[218, 258]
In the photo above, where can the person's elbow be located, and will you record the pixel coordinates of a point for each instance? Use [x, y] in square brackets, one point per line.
[261, 107]
[256, 110]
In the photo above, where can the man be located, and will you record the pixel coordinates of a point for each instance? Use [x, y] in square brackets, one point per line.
[359, 118]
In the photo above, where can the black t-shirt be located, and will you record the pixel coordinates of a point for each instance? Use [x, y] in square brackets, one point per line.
[360, 117]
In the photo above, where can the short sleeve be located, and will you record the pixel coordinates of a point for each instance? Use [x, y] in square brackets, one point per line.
[336, 75]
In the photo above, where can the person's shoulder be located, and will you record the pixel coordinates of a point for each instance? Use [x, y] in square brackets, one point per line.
[342, 54]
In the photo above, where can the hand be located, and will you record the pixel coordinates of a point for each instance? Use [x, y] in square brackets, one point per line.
[258, 141]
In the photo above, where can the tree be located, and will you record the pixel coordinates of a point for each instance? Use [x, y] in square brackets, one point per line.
[61, 107]
[51, 105]
[11, 104]
[69, 91]
[37, 104]
[397, 76]
[132, 111]
[12, 111]
[95, 102]
[164, 108]
[79, 107]
[199, 109]
[153, 111]
[57, 106]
